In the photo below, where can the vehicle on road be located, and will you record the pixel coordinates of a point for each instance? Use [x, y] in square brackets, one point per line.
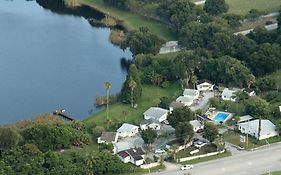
[200, 131]
[186, 167]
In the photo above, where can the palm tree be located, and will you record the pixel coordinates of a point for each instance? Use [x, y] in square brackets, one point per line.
[132, 85]
[107, 86]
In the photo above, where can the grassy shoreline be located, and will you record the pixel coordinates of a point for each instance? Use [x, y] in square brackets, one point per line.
[125, 113]
[130, 20]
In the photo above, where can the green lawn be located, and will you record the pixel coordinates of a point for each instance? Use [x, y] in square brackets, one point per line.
[205, 159]
[132, 21]
[150, 97]
[234, 138]
[274, 173]
[242, 7]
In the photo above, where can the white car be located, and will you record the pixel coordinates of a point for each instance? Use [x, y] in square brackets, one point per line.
[159, 151]
[200, 144]
[186, 167]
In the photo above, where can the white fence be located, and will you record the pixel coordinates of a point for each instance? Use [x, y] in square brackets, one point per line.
[199, 156]
[151, 165]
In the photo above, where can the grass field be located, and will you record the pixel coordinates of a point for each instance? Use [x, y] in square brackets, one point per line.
[274, 173]
[150, 97]
[205, 159]
[132, 21]
[243, 6]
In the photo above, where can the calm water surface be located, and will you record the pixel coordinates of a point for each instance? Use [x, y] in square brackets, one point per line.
[50, 61]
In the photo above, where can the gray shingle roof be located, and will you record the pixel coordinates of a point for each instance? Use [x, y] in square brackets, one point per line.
[155, 112]
[108, 136]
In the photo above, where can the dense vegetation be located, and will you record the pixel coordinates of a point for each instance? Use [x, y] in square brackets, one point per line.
[38, 148]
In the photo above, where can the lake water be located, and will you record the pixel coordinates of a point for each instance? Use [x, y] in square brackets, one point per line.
[50, 61]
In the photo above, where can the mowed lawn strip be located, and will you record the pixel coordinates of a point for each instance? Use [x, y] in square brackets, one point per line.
[132, 21]
[242, 7]
[124, 112]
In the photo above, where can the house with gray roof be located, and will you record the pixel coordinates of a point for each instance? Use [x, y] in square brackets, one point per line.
[150, 123]
[229, 94]
[196, 125]
[185, 100]
[108, 137]
[245, 118]
[156, 113]
[191, 93]
[127, 130]
[268, 129]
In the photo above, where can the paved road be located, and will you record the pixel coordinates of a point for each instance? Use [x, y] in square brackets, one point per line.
[268, 27]
[248, 163]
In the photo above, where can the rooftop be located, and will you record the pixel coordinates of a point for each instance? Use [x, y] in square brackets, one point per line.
[175, 104]
[155, 112]
[245, 118]
[205, 80]
[108, 136]
[184, 99]
[195, 123]
[126, 127]
[266, 126]
[190, 92]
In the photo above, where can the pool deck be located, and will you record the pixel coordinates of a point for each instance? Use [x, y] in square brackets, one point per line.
[211, 115]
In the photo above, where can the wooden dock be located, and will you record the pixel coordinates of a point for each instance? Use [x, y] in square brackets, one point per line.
[63, 115]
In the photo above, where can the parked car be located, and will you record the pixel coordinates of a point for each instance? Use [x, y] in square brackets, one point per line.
[199, 144]
[187, 167]
[159, 151]
[200, 130]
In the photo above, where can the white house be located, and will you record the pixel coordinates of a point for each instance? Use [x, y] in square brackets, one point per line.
[108, 137]
[196, 125]
[133, 155]
[186, 100]
[268, 129]
[127, 130]
[229, 94]
[205, 85]
[191, 93]
[150, 123]
[156, 113]
[175, 105]
[251, 92]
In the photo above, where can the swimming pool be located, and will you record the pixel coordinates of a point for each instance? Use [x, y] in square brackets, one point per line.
[221, 116]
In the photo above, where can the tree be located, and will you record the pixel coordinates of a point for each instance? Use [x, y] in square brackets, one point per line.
[227, 70]
[180, 115]
[149, 135]
[9, 137]
[184, 132]
[265, 60]
[195, 34]
[194, 81]
[132, 85]
[265, 84]
[261, 35]
[220, 143]
[165, 102]
[257, 108]
[215, 7]
[233, 20]
[107, 86]
[184, 67]
[210, 131]
[142, 41]
[126, 92]
[181, 12]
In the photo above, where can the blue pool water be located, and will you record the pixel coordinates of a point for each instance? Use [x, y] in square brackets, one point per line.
[221, 116]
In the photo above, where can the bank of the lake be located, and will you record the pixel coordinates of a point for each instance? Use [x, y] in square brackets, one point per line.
[52, 60]
[130, 20]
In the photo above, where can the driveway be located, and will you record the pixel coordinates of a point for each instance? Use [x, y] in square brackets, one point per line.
[203, 101]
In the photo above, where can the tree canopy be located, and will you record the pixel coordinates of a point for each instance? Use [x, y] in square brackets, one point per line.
[215, 7]
[142, 41]
[149, 135]
[210, 131]
[184, 131]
